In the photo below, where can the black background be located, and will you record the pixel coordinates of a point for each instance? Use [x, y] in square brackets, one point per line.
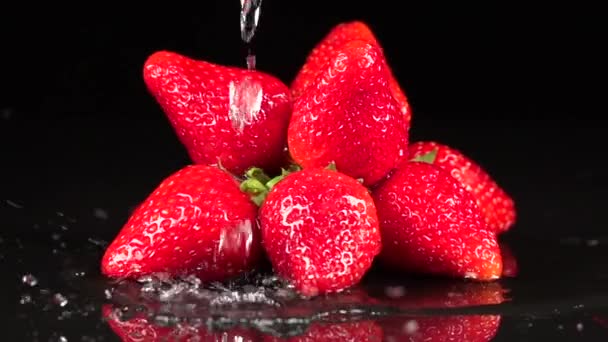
[516, 88]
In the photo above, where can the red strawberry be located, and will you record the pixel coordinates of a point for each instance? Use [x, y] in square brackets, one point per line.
[363, 331]
[320, 230]
[139, 328]
[470, 328]
[328, 48]
[496, 206]
[196, 221]
[349, 117]
[196, 97]
[431, 224]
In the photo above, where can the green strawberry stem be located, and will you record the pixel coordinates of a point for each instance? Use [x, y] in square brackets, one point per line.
[258, 184]
[428, 157]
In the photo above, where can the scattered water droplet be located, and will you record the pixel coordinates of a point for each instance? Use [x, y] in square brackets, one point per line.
[14, 204]
[593, 242]
[100, 214]
[410, 327]
[579, 327]
[60, 299]
[62, 339]
[245, 102]
[7, 113]
[97, 242]
[107, 293]
[29, 279]
[394, 291]
[25, 299]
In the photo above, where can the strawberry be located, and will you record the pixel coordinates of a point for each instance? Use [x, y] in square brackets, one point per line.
[206, 108]
[328, 48]
[364, 331]
[431, 224]
[320, 230]
[496, 206]
[139, 328]
[197, 221]
[349, 117]
[470, 328]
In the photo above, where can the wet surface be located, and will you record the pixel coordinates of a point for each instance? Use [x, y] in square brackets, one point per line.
[551, 289]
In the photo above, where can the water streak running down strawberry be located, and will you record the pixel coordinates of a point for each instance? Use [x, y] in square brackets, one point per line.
[196, 97]
[196, 221]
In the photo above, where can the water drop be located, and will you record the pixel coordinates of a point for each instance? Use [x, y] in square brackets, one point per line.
[592, 242]
[100, 213]
[25, 299]
[14, 204]
[7, 113]
[29, 280]
[60, 300]
[107, 293]
[410, 327]
[394, 291]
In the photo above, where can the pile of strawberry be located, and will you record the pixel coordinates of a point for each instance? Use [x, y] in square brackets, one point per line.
[321, 182]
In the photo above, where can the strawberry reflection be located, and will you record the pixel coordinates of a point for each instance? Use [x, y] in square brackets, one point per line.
[448, 297]
[365, 331]
[510, 267]
[471, 328]
[140, 329]
[438, 294]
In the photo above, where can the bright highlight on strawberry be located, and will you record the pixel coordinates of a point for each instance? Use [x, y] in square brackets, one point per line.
[320, 178]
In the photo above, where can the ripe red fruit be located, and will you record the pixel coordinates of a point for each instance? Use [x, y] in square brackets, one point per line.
[497, 208]
[431, 224]
[349, 117]
[197, 221]
[328, 48]
[196, 97]
[320, 230]
[470, 328]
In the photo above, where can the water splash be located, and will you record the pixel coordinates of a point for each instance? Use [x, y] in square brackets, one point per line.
[245, 102]
[29, 280]
[233, 241]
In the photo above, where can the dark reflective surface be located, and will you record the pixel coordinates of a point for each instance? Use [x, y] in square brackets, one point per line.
[558, 293]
